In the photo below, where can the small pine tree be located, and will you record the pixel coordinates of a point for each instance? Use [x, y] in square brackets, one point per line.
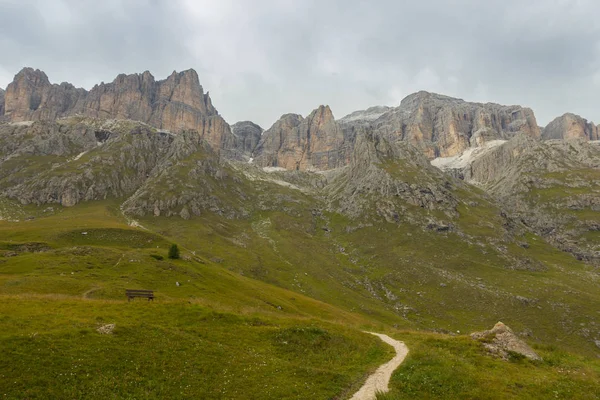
[174, 252]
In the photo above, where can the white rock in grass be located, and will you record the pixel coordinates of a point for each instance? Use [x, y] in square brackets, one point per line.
[106, 329]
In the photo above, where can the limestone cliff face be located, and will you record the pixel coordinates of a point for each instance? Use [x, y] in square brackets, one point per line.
[316, 142]
[31, 97]
[443, 126]
[176, 103]
[571, 126]
[248, 135]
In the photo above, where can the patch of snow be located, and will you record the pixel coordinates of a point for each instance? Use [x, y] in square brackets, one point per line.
[250, 160]
[363, 117]
[286, 184]
[367, 115]
[78, 156]
[133, 223]
[273, 169]
[22, 123]
[467, 157]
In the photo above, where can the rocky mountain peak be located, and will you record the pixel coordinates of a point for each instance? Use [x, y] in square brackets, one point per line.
[246, 124]
[322, 118]
[322, 113]
[174, 104]
[571, 126]
[313, 143]
[248, 134]
[24, 94]
[423, 96]
[443, 126]
[33, 76]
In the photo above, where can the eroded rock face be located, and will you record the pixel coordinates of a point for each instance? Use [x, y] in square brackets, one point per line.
[571, 126]
[188, 181]
[313, 143]
[443, 126]
[390, 178]
[551, 186]
[68, 162]
[174, 104]
[248, 135]
[502, 341]
[31, 96]
[1, 102]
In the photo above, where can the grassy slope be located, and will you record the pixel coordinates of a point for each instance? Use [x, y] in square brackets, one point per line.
[562, 188]
[403, 275]
[386, 274]
[217, 335]
[442, 367]
[173, 349]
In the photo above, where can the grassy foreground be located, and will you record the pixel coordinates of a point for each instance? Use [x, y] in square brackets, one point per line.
[51, 349]
[215, 334]
[273, 308]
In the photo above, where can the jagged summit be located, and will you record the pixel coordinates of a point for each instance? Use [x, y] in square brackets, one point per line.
[248, 134]
[442, 126]
[316, 142]
[425, 95]
[175, 103]
[438, 125]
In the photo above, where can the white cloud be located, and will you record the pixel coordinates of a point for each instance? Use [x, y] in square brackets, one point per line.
[596, 78]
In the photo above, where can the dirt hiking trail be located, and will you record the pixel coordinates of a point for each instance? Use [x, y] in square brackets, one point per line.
[379, 380]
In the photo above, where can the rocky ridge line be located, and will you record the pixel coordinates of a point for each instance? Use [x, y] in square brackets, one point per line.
[443, 126]
[174, 104]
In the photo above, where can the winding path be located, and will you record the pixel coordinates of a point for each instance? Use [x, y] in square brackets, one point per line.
[379, 380]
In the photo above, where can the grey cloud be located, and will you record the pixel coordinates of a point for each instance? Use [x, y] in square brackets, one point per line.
[264, 58]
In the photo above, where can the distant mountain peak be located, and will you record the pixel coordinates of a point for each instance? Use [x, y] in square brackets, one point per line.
[571, 126]
[175, 103]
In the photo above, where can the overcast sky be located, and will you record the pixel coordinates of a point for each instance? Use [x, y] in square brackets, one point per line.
[263, 58]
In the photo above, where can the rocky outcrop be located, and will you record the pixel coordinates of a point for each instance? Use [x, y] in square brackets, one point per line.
[73, 162]
[174, 104]
[389, 180]
[189, 181]
[78, 159]
[443, 126]
[248, 135]
[571, 126]
[502, 342]
[312, 143]
[1, 102]
[551, 186]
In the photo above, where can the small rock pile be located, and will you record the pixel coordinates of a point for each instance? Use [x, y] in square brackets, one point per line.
[106, 329]
[502, 341]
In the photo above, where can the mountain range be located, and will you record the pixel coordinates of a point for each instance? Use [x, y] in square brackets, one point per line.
[439, 213]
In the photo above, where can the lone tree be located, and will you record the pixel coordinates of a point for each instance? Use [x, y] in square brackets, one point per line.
[174, 252]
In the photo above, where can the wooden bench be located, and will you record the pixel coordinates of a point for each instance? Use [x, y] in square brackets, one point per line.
[133, 293]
